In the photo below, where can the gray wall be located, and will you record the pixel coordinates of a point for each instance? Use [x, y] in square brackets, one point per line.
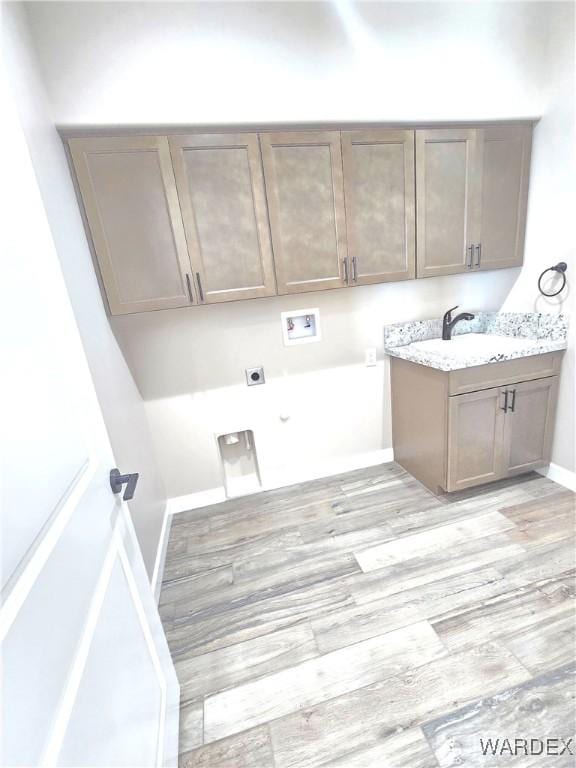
[120, 401]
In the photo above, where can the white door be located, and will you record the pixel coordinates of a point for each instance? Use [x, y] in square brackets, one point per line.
[87, 678]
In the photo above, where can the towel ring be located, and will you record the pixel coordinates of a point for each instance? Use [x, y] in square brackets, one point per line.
[561, 267]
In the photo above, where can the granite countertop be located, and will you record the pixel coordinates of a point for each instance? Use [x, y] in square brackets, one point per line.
[490, 338]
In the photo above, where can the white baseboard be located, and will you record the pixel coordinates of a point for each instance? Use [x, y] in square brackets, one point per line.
[303, 473]
[161, 554]
[560, 475]
[291, 476]
[196, 500]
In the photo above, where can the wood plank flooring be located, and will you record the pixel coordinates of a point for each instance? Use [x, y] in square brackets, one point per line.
[359, 621]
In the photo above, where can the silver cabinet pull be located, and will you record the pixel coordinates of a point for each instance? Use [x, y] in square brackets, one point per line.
[345, 265]
[505, 406]
[354, 269]
[478, 254]
[200, 291]
[469, 256]
[189, 286]
[513, 403]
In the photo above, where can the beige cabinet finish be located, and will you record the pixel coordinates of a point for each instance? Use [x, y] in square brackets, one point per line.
[529, 421]
[496, 426]
[380, 205]
[131, 204]
[221, 190]
[504, 162]
[476, 424]
[304, 189]
[447, 193]
[471, 198]
[206, 218]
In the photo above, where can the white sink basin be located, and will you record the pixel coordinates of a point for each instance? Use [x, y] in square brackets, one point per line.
[469, 345]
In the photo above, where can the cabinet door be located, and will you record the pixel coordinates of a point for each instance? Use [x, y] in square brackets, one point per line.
[129, 194]
[305, 194]
[447, 196]
[505, 168]
[221, 190]
[475, 438]
[380, 204]
[529, 424]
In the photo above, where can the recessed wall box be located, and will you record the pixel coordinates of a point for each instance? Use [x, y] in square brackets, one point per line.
[239, 463]
[302, 326]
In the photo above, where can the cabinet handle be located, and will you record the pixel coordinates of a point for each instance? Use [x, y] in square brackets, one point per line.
[469, 256]
[354, 269]
[513, 403]
[478, 254]
[505, 406]
[189, 286]
[200, 291]
[345, 265]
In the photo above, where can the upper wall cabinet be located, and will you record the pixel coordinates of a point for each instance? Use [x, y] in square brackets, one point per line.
[379, 189]
[221, 191]
[305, 194]
[447, 186]
[205, 218]
[131, 204]
[504, 167]
[471, 198]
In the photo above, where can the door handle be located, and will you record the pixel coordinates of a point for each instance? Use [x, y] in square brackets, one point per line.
[469, 256]
[478, 254]
[354, 269]
[513, 403]
[505, 406]
[117, 481]
[345, 265]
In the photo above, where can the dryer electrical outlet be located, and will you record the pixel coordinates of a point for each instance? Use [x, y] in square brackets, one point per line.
[255, 376]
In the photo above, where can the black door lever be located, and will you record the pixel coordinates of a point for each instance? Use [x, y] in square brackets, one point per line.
[117, 481]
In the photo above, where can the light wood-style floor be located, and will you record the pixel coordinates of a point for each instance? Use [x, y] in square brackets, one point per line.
[359, 622]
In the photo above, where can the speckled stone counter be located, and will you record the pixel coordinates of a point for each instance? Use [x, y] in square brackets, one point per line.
[494, 337]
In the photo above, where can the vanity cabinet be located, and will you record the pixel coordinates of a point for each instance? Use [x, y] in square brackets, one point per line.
[305, 193]
[380, 212]
[221, 191]
[457, 429]
[471, 198]
[132, 210]
[476, 424]
[529, 422]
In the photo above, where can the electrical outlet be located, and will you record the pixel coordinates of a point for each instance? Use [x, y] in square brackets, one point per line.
[255, 376]
[371, 356]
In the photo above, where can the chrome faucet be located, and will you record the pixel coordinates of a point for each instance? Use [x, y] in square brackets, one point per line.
[448, 323]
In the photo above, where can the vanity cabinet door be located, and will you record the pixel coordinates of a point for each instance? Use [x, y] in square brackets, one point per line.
[380, 205]
[221, 190]
[129, 194]
[530, 424]
[476, 425]
[504, 153]
[447, 200]
[304, 189]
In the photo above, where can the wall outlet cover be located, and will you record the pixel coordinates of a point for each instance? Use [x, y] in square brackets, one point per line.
[255, 376]
[371, 356]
